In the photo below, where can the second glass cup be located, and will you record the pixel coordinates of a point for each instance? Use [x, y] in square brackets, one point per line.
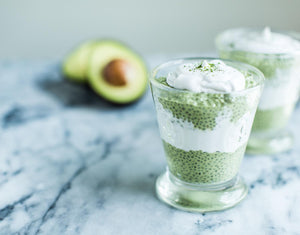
[281, 68]
[204, 136]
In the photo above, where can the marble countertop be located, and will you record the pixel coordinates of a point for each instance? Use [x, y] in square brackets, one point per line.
[71, 163]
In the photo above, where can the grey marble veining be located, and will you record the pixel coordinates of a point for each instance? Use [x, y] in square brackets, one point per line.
[70, 163]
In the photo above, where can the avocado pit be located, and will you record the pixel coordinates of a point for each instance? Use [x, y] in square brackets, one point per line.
[117, 72]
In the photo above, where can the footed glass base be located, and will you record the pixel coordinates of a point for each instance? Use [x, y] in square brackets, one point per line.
[200, 198]
[278, 143]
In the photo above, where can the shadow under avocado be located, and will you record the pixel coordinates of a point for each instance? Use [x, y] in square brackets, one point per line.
[72, 94]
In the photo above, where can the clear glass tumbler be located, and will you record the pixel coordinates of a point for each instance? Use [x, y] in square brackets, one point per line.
[281, 92]
[204, 137]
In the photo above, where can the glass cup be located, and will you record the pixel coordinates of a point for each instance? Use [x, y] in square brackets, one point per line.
[204, 137]
[281, 92]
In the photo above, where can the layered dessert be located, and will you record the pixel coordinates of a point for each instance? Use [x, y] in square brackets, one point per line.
[205, 111]
[277, 55]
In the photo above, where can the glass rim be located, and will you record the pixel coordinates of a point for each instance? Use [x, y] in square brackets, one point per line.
[249, 68]
[221, 46]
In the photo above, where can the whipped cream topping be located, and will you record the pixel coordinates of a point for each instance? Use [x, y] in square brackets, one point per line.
[213, 76]
[261, 41]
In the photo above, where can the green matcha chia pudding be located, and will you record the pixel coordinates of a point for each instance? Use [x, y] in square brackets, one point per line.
[277, 55]
[205, 109]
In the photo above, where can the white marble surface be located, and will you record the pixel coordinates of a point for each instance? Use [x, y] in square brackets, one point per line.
[72, 164]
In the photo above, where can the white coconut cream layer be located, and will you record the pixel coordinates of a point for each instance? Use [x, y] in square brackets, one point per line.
[225, 137]
[281, 90]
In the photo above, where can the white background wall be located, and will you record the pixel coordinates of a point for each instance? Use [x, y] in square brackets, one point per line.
[48, 29]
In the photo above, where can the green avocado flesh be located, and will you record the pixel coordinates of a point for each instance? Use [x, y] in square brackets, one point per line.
[201, 167]
[103, 53]
[76, 64]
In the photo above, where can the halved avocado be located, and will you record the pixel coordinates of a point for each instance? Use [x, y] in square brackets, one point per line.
[116, 72]
[76, 64]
